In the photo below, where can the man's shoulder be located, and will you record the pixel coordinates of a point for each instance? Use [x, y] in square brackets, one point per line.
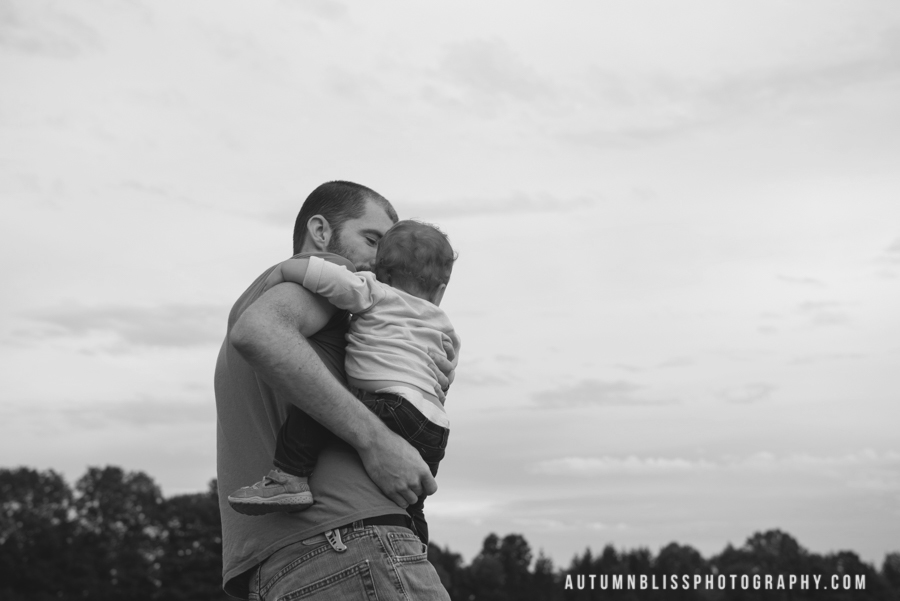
[322, 313]
[330, 257]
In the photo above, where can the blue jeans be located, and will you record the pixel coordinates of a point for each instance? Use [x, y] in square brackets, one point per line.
[380, 563]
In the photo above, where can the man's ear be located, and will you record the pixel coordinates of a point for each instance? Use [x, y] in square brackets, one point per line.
[319, 232]
[438, 295]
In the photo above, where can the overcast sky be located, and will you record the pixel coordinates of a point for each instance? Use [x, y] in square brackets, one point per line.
[678, 228]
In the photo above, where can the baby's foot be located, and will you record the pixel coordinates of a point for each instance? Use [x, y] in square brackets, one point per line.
[277, 492]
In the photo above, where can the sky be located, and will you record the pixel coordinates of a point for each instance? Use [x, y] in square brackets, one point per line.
[678, 228]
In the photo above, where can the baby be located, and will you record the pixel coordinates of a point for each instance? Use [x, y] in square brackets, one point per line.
[396, 321]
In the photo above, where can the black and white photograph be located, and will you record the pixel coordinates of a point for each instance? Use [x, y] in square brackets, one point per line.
[480, 301]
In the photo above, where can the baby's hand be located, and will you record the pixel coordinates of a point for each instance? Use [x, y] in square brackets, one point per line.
[444, 369]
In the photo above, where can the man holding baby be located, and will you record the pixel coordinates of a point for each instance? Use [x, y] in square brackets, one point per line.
[285, 346]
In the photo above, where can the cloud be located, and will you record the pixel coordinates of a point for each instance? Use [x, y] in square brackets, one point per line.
[324, 9]
[476, 378]
[866, 469]
[814, 313]
[353, 86]
[816, 358]
[164, 192]
[891, 254]
[145, 411]
[624, 137]
[42, 28]
[447, 505]
[174, 325]
[863, 468]
[482, 75]
[508, 358]
[243, 49]
[490, 67]
[894, 249]
[824, 313]
[582, 466]
[804, 281]
[650, 109]
[516, 203]
[742, 355]
[749, 393]
[676, 362]
[596, 393]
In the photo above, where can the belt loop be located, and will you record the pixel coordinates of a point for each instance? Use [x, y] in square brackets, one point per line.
[334, 539]
[358, 525]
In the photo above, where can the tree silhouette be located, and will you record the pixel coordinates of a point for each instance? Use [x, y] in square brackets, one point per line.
[449, 567]
[119, 520]
[190, 567]
[680, 560]
[36, 534]
[115, 537]
[891, 571]
[487, 579]
[545, 583]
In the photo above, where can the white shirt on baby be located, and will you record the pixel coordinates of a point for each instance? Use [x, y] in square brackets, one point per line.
[390, 333]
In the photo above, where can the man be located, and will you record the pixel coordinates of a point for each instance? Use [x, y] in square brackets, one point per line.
[287, 346]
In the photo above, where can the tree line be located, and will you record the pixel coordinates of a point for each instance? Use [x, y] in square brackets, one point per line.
[114, 536]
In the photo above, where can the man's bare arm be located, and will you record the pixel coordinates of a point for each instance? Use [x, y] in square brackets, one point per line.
[292, 270]
[271, 336]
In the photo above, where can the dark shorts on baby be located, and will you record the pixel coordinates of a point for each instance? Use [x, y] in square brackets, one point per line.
[302, 438]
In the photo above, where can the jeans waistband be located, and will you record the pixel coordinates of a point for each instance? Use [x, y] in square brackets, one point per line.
[391, 519]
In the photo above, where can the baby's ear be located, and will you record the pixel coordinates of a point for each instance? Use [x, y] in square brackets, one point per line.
[438, 295]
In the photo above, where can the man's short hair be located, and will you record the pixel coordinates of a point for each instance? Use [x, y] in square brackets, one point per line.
[415, 256]
[338, 202]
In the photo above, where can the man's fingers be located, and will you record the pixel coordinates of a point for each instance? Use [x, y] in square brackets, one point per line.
[429, 487]
[408, 496]
[400, 501]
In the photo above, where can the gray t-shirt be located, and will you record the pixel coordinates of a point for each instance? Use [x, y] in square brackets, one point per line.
[249, 417]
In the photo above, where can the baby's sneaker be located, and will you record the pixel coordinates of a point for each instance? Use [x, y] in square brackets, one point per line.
[277, 492]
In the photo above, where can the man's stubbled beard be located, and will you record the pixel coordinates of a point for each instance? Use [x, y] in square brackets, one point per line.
[336, 246]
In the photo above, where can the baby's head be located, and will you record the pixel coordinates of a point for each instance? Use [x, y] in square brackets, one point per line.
[416, 258]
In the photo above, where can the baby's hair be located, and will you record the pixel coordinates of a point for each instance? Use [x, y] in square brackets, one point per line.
[414, 256]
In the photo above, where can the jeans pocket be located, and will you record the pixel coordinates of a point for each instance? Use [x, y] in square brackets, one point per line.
[355, 582]
[406, 547]
[418, 578]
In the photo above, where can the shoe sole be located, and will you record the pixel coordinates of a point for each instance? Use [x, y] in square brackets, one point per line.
[280, 504]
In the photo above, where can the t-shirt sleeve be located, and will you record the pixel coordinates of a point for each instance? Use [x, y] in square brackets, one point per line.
[355, 292]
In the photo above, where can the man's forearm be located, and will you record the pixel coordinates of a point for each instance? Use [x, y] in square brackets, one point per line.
[269, 336]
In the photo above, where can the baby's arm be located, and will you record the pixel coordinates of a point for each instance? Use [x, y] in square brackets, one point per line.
[292, 270]
[355, 292]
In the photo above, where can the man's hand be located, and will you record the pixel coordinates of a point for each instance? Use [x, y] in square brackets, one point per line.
[397, 469]
[444, 370]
